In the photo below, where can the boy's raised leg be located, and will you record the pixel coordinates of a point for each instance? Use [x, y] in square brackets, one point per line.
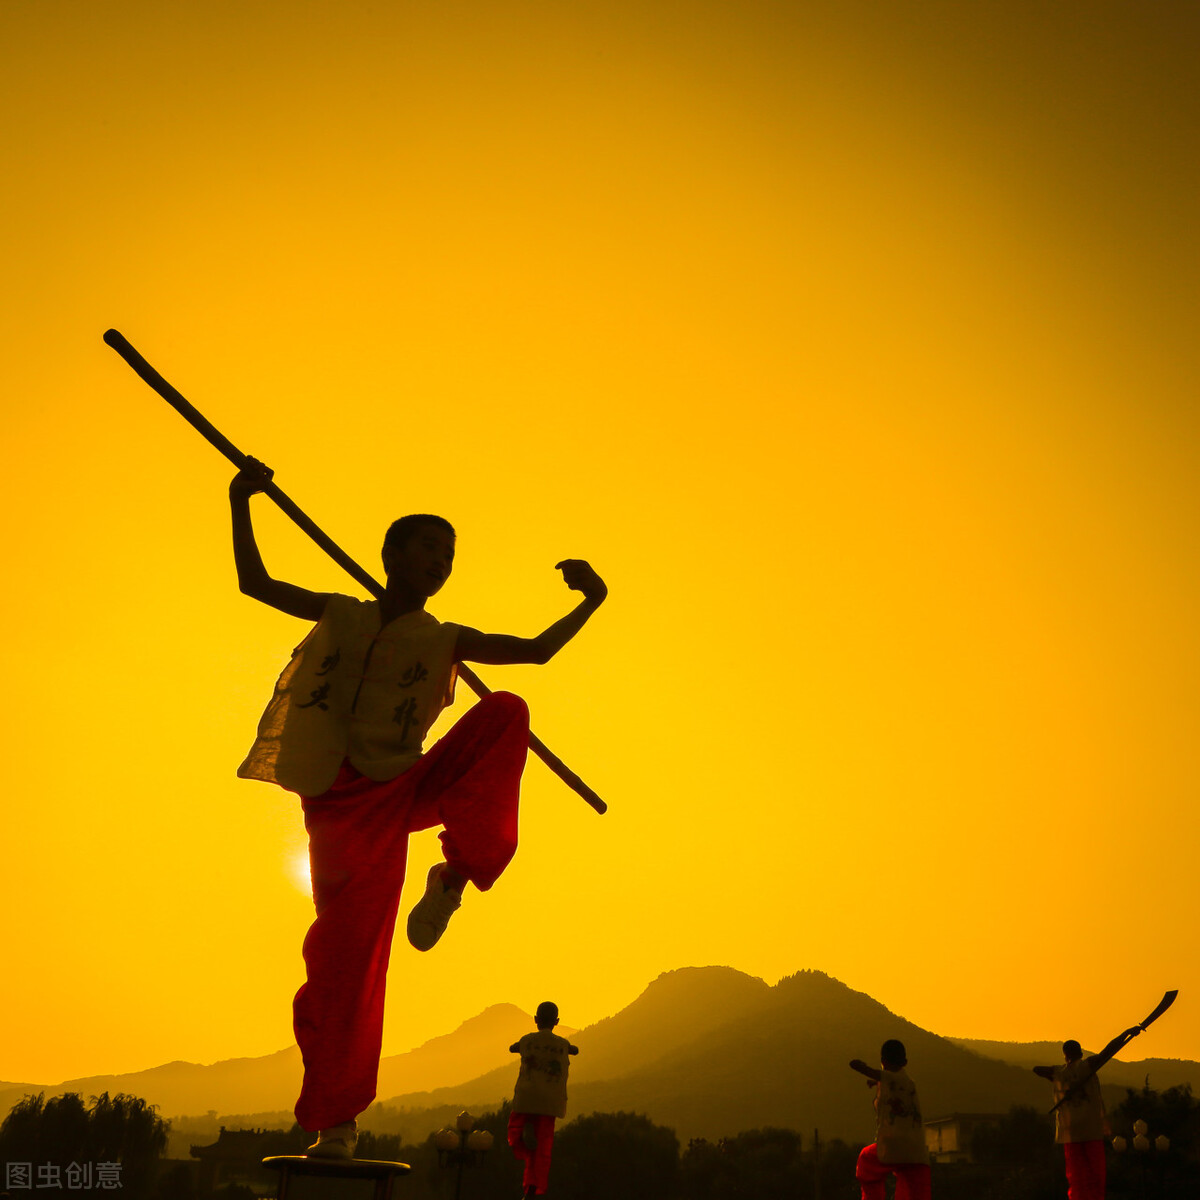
[469, 782]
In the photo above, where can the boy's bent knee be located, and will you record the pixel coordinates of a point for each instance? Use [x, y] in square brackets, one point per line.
[506, 704]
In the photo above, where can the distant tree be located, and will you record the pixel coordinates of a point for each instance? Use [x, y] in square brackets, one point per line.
[62, 1131]
[767, 1163]
[128, 1130]
[177, 1183]
[1018, 1157]
[759, 1164]
[423, 1182]
[614, 1154]
[1167, 1175]
[834, 1163]
[291, 1141]
[705, 1172]
[1023, 1138]
[1175, 1113]
[235, 1191]
[384, 1147]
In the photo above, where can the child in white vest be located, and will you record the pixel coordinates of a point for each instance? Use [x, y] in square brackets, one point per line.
[899, 1147]
[1079, 1121]
[540, 1096]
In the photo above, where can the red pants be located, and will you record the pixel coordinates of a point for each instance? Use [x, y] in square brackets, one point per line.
[358, 844]
[1086, 1170]
[912, 1179]
[537, 1161]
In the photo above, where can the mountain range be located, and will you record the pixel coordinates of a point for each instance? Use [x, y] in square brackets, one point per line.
[708, 1051]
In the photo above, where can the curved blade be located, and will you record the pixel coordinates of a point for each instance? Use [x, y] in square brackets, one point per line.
[1163, 1005]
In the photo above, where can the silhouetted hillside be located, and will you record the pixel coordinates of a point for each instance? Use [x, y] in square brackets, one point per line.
[674, 1011]
[476, 1045]
[264, 1087]
[785, 1064]
[710, 1052]
[240, 1084]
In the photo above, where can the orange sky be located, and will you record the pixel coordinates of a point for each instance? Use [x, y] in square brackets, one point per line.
[853, 343]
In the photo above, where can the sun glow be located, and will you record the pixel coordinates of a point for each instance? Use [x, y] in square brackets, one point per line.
[299, 873]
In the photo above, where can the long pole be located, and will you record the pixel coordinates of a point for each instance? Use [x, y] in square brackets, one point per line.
[816, 1164]
[214, 436]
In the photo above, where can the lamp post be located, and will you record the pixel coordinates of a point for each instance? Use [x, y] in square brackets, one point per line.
[462, 1146]
[816, 1164]
[1141, 1146]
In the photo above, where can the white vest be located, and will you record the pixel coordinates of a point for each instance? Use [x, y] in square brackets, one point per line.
[353, 690]
[1080, 1119]
[542, 1082]
[899, 1130]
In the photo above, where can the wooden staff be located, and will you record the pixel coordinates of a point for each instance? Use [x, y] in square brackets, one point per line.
[235, 456]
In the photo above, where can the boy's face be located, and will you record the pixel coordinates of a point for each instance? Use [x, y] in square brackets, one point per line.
[424, 561]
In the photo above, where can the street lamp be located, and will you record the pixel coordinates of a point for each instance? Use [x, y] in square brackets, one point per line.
[1141, 1145]
[462, 1146]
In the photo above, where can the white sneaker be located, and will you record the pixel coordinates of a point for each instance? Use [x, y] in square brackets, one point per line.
[339, 1141]
[431, 914]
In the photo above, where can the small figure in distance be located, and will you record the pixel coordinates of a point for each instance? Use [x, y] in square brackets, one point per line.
[899, 1147]
[345, 731]
[540, 1096]
[1079, 1121]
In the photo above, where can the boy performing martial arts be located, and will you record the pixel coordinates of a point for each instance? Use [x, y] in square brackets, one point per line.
[344, 730]
[899, 1147]
[1079, 1115]
[540, 1096]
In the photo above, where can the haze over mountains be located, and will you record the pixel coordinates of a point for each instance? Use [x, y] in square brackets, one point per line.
[268, 1086]
[708, 1051]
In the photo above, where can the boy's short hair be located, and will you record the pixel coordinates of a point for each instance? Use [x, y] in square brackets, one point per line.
[1072, 1050]
[400, 531]
[547, 1014]
[892, 1051]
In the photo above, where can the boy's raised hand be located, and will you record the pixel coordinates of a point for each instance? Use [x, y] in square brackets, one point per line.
[250, 480]
[579, 577]
[253, 579]
[857, 1064]
[473, 646]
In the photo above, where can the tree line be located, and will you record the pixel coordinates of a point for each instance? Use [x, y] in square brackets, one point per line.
[624, 1154]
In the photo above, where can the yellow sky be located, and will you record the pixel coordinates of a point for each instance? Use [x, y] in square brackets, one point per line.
[854, 344]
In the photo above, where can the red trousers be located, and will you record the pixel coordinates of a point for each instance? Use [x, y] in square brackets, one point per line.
[1086, 1170]
[358, 844]
[537, 1161]
[912, 1179]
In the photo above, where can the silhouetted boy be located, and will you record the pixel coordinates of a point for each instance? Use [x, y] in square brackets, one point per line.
[540, 1096]
[344, 730]
[1079, 1115]
[899, 1147]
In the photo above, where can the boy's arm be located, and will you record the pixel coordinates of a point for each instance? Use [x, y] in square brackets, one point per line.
[515, 1048]
[1045, 1072]
[1096, 1061]
[857, 1064]
[502, 649]
[253, 579]
[572, 1049]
